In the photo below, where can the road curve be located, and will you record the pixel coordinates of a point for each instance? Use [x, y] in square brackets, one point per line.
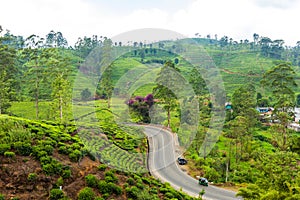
[162, 165]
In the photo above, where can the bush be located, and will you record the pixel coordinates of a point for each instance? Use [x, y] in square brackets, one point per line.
[49, 149]
[45, 160]
[63, 150]
[169, 195]
[9, 154]
[32, 177]
[146, 180]
[75, 155]
[2, 197]
[153, 190]
[102, 167]
[132, 192]
[91, 181]
[86, 194]
[110, 177]
[114, 188]
[130, 181]
[103, 187]
[23, 148]
[56, 194]
[52, 168]
[4, 148]
[59, 182]
[67, 173]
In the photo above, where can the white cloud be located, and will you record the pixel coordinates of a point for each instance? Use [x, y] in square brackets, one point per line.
[281, 4]
[77, 18]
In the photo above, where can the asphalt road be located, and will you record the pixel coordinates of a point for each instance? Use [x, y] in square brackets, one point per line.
[163, 165]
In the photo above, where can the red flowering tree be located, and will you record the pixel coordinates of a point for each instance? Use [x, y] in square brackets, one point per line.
[140, 107]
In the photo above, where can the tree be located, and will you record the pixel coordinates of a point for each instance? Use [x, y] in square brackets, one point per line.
[106, 84]
[298, 100]
[85, 94]
[35, 57]
[243, 103]
[61, 94]
[239, 131]
[85, 45]
[8, 73]
[265, 44]
[281, 81]
[198, 83]
[5, 89]
[167, 84]
[255, 38]
[140, 108]
[56, 39]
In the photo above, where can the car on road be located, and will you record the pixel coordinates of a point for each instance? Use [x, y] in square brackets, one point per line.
[203, 181]
[181, 161]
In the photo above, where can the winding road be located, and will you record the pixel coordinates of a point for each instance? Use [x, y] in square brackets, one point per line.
[162, 165]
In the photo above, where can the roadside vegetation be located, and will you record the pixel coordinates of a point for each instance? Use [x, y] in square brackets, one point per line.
[52, 134]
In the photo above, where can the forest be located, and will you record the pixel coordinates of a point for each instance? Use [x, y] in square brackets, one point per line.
[52, 116]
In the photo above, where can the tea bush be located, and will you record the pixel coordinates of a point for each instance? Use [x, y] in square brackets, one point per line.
[56, 194]
[23, 148]
[9, 154]
[86, 194]
[91, 181]
[32, 177]
[4, 148]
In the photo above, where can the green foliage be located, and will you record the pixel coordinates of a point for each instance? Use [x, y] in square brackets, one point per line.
[91, 181]
[85, 94]
[23, 148]
[75, 155]
[4, 92]
[61, 94]
[9, 154]
[66, 173]
[132, 192]
[32, 177]
[168, 82]
[56, 194]
[2, 197]
[4, 148]
[59, 182]
[51, 166]
[130, 181]
[111, 177]
[86, 194]
[102, 167]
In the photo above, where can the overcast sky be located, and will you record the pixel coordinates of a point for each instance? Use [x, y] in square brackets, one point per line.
[239, 19]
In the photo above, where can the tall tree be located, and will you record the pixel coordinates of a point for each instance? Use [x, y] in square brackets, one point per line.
[5, 92]
[281, 81]
[167, 84]
[8, 73]
[106, 85]
[35, 73]
[198, 83]
[56, 39]
[61, 94]
[243, 103]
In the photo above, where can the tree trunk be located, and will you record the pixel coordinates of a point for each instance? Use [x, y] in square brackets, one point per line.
[169, 118]
[37, 104]
[227, 170]
[37, 92]
[61, 108]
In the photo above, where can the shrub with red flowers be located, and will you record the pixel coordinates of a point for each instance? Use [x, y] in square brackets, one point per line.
[140, 107]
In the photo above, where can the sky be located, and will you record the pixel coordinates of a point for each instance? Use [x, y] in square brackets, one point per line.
[237, 19]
